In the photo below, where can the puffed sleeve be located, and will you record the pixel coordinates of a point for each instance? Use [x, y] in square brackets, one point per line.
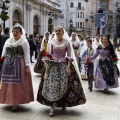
[26, 50]
[96, 54]
[69, 53]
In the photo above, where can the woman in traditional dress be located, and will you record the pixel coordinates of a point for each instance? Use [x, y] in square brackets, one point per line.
[61, 86]
[76, 45]
[16, 75]
[39, 64]
[95, 45]
[106, 74]
[45, 42]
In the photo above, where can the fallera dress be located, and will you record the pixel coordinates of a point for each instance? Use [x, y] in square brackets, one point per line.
[106, 74]
[56, 88]
[39, 64]
[17, 85]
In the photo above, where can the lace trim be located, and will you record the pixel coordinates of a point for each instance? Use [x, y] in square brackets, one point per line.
[61, 44]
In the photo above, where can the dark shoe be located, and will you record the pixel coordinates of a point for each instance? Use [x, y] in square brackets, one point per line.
[90, 88]
[51, 112]
[14, 108]
[64, 108]
[106, 90]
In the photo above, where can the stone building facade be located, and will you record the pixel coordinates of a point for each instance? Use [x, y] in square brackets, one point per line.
[76, 13]
[111, 8]
[36, 16]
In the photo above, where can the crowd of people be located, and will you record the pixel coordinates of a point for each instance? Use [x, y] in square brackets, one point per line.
[62, 61]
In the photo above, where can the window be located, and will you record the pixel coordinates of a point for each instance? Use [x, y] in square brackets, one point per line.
[79, 5]
[80, 14]
[83, 24]
[76, 14]
[80, 25]
[71, 5]
[83, 14]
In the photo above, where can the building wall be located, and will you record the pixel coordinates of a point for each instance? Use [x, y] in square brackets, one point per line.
[112, 17]
[29, 9]
[76, 15]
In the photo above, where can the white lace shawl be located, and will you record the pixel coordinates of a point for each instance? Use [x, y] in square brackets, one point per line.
[23, 43]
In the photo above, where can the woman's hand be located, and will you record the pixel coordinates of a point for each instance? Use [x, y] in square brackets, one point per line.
[68, 70]
[78, 52]
[27, 69]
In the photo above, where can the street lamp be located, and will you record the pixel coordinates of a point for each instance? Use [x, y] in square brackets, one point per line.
[4, 6]
[71, 26]
[50, 25]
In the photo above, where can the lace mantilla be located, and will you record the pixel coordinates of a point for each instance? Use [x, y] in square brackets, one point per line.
[60, 44]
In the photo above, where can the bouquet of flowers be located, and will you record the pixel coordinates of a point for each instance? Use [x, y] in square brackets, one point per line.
[46, 58]
[115, 59]
[48, 61]
[88, 62]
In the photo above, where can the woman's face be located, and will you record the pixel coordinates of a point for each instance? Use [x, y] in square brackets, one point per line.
[16, 34]
[59, 32]
[47, 36]
[73, 36]
[105, 40]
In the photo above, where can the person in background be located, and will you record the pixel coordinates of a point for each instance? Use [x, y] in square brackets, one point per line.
[83, 68]
[95, 45]
[45, 42]
[39, 65]
[6, 35]
[76, 45]
[96, 42]
[115, 42]
[81, 49]
[32, 46]
[38, 44]
[89, 51]
[16, 75]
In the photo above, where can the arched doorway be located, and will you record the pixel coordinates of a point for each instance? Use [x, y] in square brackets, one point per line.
[17, 17]
[36, 25]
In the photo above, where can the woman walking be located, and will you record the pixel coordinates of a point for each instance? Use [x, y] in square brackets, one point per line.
[61, 82]
[106, 74]
[16, 75]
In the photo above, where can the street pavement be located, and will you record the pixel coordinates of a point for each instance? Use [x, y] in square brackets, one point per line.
[100, 105]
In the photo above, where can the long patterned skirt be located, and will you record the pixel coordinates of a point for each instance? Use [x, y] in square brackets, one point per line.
[106, 75]
[60, 90]
[16, 93]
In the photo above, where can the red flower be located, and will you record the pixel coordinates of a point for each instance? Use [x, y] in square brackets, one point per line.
[50, 57]
[115, 59]
[44, 54]
[1, 59]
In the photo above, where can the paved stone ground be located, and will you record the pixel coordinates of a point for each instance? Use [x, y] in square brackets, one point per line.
[99, 106]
